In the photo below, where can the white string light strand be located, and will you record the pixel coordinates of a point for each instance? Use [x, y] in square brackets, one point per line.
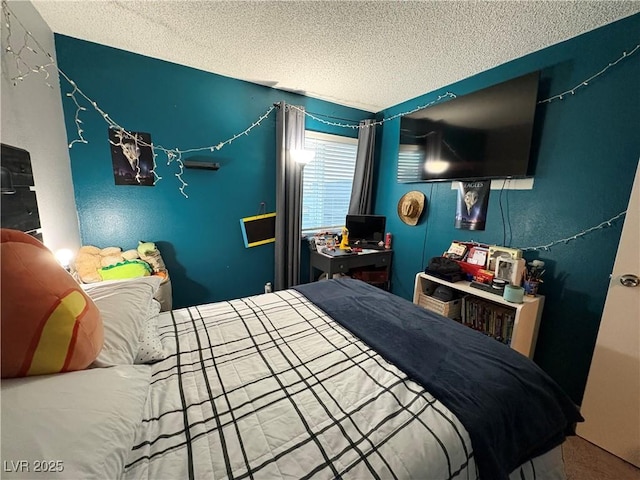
[177, 156]
[157, 177]
[236, 136]
[171, 153]
[606, 223]
[76, 119]
[586, 82]
[377, 122]
[114, 124]
[21, 64]
[17, 55]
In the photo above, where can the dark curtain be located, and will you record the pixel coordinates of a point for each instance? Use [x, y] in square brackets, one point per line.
[360, 203]
[289, 136]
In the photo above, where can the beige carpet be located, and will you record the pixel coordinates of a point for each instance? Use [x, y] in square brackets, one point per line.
[585, 461]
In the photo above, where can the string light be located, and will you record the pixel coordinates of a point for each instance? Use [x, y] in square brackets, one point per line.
[377, 122]
[176, 155]
[24, 69]
[153, 170]
[586, 82]
[76, 118]
[546, 247]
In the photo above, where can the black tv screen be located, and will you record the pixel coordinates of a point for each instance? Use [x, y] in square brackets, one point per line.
[365, 229]
[485, 134]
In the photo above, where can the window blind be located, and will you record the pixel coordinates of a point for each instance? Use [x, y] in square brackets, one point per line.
[327, 180]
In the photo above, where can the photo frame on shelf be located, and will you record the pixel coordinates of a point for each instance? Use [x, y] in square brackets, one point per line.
[497, 251]
[510, 269]
[478, 256]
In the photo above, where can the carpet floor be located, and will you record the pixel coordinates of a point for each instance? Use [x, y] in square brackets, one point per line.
[585, 461]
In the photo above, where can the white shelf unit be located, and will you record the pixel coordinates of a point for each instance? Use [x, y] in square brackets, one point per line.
[527, 314]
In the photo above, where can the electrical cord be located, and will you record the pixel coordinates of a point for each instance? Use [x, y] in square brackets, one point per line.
[504, 226]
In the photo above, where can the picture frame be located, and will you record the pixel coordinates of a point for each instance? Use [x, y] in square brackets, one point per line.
[510, 269]
[478, 256]
[497, 251]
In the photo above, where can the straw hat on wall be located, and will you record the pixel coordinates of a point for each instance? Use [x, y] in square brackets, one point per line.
[410, 207]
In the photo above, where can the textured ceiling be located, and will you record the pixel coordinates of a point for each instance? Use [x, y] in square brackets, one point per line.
[365, 54]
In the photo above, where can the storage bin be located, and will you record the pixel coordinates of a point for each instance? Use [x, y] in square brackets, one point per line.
[451, 309]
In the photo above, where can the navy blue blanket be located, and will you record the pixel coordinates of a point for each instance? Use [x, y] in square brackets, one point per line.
[512, 410]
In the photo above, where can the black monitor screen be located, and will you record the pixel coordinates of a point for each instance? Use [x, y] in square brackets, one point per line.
[365, 229]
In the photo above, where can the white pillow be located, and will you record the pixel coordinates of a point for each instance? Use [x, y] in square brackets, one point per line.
[150, 348]
[125, 307]
[76, 425]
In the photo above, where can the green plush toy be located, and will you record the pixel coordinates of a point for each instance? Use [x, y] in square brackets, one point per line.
[126, 269]
[150, 254]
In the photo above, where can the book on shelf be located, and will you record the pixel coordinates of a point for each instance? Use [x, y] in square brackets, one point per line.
[493, 320]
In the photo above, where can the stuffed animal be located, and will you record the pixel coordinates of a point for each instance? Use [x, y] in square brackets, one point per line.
[93, 264]
[87, 263]
[90, 260]
[110, 256]
[49, 324]
[130, 254]
[150, 254]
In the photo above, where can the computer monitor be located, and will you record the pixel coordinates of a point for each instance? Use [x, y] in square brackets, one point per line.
[365, 230]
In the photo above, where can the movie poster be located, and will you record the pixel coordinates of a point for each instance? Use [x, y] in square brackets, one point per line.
[132, 158]
[473, 201]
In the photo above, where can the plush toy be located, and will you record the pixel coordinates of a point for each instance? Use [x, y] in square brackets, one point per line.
[87, 263]
[90, 260]
[110, 256]
[150, 254]
[130, 254]
[125, 269]
[49, 324]
[93, 264]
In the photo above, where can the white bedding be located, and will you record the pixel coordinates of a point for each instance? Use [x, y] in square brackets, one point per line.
[76, 425]
[271, 387]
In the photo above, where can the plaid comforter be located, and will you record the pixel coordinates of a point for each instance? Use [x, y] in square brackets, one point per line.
[271, 387]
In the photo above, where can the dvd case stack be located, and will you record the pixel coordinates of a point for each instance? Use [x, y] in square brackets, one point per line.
[489, 318]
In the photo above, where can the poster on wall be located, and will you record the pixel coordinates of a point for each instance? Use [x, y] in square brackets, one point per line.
[473, 201]
[132, 158]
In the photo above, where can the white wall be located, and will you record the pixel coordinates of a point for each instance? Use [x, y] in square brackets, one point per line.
[32, 119]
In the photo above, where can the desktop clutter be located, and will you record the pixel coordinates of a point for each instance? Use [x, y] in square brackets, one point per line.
[492, 268]
[330, 243]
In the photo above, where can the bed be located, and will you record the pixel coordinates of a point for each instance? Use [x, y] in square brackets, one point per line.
[335, 379]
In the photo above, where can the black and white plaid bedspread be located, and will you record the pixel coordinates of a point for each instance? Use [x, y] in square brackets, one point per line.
[271, 387]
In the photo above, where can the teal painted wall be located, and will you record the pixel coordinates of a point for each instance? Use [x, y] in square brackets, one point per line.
[199, 237]
[586, 148]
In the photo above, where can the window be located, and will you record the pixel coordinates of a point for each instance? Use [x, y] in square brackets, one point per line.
[327, 180]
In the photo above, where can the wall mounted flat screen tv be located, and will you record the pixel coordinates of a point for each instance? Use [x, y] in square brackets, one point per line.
[365, 230]
[485, 134]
